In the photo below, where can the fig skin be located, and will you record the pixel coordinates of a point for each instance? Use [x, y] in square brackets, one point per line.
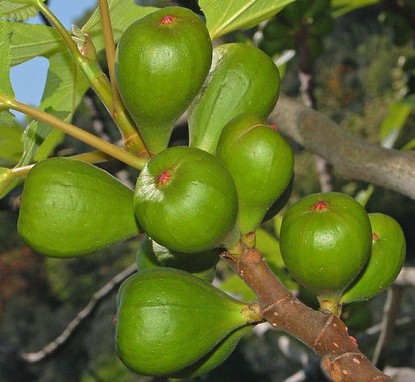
[162, 61]
[216, 356]
[325, 241]
[261, 163]
[185, 200]
[71, 208]
[234, 86]
[385, 262]
[168, 319]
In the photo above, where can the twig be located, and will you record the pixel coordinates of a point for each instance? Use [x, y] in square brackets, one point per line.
[390, 314]
[97, 297]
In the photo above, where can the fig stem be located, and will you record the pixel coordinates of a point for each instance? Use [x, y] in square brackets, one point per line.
[76, 132]
[331, 306]
[99, 83]
[253, 313]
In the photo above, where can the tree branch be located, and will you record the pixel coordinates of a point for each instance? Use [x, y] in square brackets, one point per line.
[323, 333]
[98, 296]
[351, 157]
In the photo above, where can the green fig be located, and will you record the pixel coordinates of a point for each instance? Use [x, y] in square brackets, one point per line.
[216, 356]
[325, 241]
[150, 255]
[261, 163]
[168, 319]
[71, 208]
[243, 79]
[385, 261]
[185, 199]
[162, 62]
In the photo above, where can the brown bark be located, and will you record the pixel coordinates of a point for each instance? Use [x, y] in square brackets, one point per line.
[351, 157]
[324, 333]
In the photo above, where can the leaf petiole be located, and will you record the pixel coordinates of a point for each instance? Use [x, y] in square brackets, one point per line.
[74, 131]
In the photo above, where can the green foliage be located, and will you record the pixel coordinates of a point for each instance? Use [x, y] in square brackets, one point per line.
[167, 195]
[225, 17]
[18, 9]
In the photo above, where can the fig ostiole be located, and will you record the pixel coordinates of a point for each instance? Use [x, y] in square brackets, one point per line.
[162, 61]
[151, 254]
[325, 241]
[186, 200]
[385, 261]
[71, 208]
[261, 163]
[167, 320]
[234, 86]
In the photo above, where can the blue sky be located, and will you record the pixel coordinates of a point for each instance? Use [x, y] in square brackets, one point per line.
[28, 79]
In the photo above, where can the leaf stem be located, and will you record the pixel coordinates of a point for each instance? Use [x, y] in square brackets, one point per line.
[109, 48]
[132, 140]
[91, 157]
[76, 132]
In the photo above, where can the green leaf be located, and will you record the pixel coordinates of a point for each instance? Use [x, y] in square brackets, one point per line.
[223, 17]
[40, 136]
[123, 14]
[342, 7]
[18, 9]
[7, 181]
[32, 40]
[5, 61]
[65, 84]
[394, 123]
[269, 246]
[11, 146]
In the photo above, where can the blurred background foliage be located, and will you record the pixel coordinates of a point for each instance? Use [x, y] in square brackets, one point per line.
[360, 71]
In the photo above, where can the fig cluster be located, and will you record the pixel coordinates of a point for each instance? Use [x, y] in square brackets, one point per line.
[338, 251]
[191, 202]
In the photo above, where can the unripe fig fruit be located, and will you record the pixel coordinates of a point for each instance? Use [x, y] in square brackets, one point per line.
[168, 319]
[185, 199]
[325, 241]
[216, 356]
[162, 61]
[385, 261]
[71, 208]
[242, 79]
[261, 163]
[151, 255]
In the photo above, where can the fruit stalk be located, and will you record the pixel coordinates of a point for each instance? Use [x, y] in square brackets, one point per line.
[324, 333]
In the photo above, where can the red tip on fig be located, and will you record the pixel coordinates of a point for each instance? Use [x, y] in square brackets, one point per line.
[375, 236]
[320, 205]
[275, 127]
[164, 178]
[167, 19]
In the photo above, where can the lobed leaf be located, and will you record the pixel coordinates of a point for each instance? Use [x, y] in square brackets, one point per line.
[18, 9]
[123, 14]
[11, 146]
[223, 17]
[35, 136]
